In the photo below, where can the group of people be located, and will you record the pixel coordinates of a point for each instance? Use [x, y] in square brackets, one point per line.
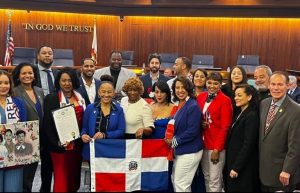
[238, 136]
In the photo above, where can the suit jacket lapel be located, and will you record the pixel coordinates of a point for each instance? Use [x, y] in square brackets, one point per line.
[97, 84]
[278, 114]
[120, 80]
[264, 113]
[27, 98]
[181, 111]
[237, 119]
[82, 87]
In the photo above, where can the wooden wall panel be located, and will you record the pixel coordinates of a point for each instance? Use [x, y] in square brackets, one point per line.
[275, 40]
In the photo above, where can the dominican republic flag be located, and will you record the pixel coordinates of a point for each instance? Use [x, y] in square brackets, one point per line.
[129, 165]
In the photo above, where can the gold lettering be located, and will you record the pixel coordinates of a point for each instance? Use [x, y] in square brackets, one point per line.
[50, 27]
[44, 27]
[58, 27]
[38, 27]
[71, 27]
[28, 26]
[76, 28]
[65, 28]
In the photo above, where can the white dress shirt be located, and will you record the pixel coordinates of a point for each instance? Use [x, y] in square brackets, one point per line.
[90, 90]
[44, 79]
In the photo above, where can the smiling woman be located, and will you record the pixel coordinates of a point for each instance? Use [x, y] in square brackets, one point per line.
[138, 113]
[13, 110]
[24, 77]
[104, 119]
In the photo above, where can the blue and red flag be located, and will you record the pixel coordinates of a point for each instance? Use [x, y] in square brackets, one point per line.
[9, 52]
[129, 165]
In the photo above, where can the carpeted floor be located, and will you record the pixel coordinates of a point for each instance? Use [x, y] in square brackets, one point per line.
[85, 180]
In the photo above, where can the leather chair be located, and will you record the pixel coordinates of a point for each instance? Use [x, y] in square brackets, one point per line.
[248, 62]
[22, 54]
[127, 58]
[63, 57]
[168, 59]
[203, 61]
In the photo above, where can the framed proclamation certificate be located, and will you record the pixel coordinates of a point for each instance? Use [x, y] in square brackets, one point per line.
[66, 124]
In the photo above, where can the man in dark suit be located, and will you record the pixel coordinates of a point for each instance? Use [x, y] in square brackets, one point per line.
[262, 76]
[45, 80]
[88, 84]
[153, 76]
[46, 75]
[294, 90]
[279, 144]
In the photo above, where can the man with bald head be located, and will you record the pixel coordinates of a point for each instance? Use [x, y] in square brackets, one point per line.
[116, 70]
[279, 144]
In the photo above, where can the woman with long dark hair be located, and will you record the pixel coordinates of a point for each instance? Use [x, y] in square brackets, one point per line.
[24, 77]
[241, 169]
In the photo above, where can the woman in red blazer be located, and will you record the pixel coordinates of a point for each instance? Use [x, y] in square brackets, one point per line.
[217, 116]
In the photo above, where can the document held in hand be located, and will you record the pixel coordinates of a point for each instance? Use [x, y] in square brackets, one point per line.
[66, 124]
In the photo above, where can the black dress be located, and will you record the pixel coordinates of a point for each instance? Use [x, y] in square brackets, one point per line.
[242, 153]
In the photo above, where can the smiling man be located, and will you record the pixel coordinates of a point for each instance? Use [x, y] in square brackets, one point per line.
[88, 84]
[153, 76]
[116, 70]
[262, 76]
[279, 144]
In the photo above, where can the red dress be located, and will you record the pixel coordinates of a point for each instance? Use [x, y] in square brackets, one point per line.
[67, 165]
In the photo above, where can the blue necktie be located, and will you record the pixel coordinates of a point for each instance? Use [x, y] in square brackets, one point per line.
[50, 82]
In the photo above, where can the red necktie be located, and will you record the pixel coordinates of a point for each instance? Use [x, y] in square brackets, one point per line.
[270, 117]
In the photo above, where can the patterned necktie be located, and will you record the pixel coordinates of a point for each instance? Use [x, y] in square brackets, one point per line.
[50, 82]
[270, 117]
[210, 97]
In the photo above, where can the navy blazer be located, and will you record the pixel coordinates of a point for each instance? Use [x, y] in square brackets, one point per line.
[296, 95]
[84, 94]
[147, 83]
[116, 125]
[187, 128]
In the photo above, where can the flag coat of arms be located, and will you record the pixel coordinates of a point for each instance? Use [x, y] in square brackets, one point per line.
[129, 165]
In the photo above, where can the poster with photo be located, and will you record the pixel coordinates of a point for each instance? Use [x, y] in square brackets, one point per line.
[19, 143]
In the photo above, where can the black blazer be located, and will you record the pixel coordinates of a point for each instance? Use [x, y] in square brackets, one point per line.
[147, 83]
[84, 94]
[242, 152]
[49, 135]
[296, 95]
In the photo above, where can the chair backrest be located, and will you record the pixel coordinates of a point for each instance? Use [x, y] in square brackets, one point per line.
[22, 54]
[203, 61]
[248, 62]
[168, 59]
[127, 58]
[63, 57]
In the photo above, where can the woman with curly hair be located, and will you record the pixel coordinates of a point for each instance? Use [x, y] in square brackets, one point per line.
[186, 142]
[138, 113]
